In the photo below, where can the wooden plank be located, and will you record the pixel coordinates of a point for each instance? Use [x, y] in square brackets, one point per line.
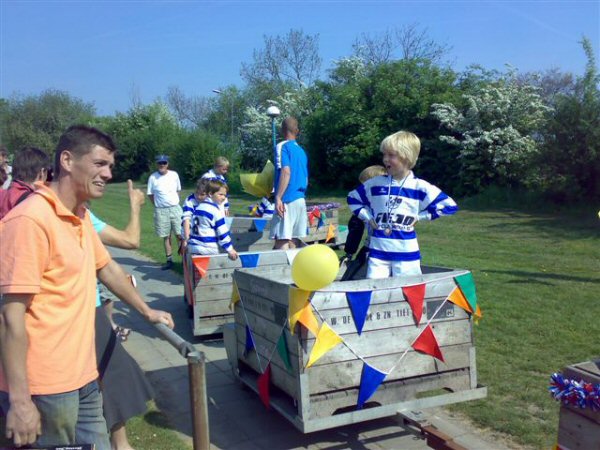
[588, 372]
[577, 432]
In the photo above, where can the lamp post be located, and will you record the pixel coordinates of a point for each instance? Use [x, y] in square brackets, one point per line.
[220, 92]
[273, 112]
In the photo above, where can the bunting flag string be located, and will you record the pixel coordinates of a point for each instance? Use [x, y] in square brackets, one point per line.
[264, 381]
[370, 379]
[249, 260]
[427, 343]
[235, 295]
[201, 264]
[321, 222]
[359, 306]
[458, 298]
[327, 339]
[330, 233]
[282, 350]
[298, 299]
[415, 295]
[260, 224]
[250, 345]
[467, 286]
[308, 319]
[291, 254]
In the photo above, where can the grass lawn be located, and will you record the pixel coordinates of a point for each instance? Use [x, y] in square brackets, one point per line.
[537, 276]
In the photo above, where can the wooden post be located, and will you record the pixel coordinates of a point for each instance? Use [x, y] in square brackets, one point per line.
[198, 398]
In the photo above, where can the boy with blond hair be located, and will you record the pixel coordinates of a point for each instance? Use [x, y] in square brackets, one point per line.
[393, 203]
[218, 172]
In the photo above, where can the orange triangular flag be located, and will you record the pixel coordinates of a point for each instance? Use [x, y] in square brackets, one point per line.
[427, 343]
[298, 299]
[458, 298]
[326, 340]
[414, 296]
[308, 319]
[201, 264]
[330, 233]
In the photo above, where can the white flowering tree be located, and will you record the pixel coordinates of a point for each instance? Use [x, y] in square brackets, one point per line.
[495, 132]
[257, 144]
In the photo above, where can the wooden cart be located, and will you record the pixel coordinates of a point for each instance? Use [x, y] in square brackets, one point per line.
[325, 395]
[578, 428]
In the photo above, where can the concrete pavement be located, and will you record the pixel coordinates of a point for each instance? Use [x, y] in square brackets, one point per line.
[238, 420]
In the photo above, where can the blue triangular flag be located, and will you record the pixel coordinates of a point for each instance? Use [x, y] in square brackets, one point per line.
[359, 305]
[249, 260]
[259, 224]
[321, 222]
[249, 342]
[370, 379]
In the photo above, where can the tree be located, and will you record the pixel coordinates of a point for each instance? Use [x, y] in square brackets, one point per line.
[357, 108]
[494, 132]
[190, 111]
[285, 63]
[570, 157]
[256, 145]
[39, 120]
[404, 43]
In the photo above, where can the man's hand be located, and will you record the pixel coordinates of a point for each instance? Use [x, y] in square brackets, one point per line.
[157, 316]
[279, 207]
[136, 196]
[232, 255]
[23, 423]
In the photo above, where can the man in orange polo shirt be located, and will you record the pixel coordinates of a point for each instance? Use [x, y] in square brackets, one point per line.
[50, 258]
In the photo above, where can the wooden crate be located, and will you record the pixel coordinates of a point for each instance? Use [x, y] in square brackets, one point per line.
[579, 429]
[325, 394]
[212, 292]
[252, 233]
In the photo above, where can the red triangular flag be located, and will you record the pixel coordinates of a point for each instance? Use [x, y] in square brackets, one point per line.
[201, 264]
[427, 343]
[414, 296]
[263, 386]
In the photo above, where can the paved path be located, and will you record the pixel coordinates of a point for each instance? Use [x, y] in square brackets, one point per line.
[238, 420]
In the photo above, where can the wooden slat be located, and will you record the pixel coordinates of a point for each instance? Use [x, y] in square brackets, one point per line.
[577, 432]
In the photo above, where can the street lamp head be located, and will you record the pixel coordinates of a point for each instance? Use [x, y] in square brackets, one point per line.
[273, 111]
[217, 91]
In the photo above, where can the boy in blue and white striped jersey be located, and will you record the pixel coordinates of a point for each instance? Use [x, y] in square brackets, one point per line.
[189, 205]
[393, 203]
[265, 209]
[209, 229]
[218, 172]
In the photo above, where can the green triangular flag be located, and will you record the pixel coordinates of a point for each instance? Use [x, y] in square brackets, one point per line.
[283, 351]
[467, 286]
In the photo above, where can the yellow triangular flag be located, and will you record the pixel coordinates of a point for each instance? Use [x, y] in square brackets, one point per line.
[298, 299]
[308, 319]
[326, 340]
[330, 233]
[458, 298]
[235, 295]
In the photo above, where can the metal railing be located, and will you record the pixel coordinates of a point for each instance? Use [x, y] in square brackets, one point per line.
[197, 379]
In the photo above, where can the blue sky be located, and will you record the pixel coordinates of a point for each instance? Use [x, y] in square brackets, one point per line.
[102, 52]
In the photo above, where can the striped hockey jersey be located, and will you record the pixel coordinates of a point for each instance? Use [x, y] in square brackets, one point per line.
[398, 206]
[209, 230]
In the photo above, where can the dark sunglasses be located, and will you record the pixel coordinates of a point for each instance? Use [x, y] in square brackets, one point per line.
[162, 163]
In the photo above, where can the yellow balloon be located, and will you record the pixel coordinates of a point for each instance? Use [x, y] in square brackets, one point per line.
[314, 267]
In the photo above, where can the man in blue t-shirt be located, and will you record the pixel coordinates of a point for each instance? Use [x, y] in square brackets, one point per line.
[291, 180]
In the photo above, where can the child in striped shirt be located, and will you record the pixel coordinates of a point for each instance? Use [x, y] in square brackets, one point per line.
[209, 229]
[393, 203]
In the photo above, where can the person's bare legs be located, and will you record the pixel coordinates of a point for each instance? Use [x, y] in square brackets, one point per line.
[118, 438]
[168, 247]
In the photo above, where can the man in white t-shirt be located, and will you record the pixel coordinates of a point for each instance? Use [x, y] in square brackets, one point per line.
[163, 189]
